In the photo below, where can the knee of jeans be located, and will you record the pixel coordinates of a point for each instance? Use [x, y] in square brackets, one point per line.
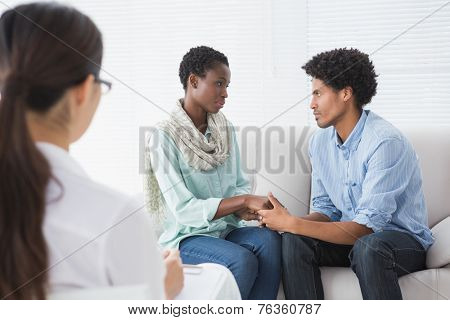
[367, 250]
[292, 245]
[289, 240]
[271, 239]
[246, 261]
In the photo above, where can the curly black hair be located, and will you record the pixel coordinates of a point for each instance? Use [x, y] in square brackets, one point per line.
[198, 60]
[344, 67]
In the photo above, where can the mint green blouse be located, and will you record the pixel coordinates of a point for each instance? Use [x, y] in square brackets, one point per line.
[192, 196]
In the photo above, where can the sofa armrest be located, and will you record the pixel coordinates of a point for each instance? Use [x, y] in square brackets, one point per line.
[438, 254]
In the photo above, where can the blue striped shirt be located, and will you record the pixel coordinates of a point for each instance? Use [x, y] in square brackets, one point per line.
[373, 178]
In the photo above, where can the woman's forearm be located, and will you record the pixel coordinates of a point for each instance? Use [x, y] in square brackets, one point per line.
[230, 205]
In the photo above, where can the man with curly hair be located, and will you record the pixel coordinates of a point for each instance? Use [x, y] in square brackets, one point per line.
[367, 204]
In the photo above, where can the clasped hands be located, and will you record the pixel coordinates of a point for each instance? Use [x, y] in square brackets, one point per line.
[267, 210]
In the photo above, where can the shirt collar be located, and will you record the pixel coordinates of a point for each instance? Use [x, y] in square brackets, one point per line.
[60, 158]
[355, 136]
[207, 132]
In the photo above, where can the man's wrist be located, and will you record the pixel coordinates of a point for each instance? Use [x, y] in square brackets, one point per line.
[292, 223]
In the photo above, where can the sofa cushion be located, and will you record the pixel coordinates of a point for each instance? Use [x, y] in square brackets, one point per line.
[431, 284]
[342, 284]
[438, 254]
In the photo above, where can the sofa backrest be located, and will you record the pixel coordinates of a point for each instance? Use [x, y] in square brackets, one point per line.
[432, 145]
[276, 158]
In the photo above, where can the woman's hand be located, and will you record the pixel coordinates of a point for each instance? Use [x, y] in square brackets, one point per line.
[255, 203]
[278, 218]
[247, 215]
[174, 280]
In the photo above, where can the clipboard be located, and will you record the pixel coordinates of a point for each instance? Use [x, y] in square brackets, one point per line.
[192, 269]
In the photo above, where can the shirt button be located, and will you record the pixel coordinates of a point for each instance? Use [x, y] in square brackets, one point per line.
[349, 209]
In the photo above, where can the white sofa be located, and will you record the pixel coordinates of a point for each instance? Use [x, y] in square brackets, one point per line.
[278, 156]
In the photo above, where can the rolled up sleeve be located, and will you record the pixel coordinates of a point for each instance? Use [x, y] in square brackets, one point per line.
[321, 202]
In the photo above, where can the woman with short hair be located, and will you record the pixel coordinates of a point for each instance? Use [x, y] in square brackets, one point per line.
[197, 182]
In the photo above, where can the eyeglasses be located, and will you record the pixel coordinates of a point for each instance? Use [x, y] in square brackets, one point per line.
[105, 85]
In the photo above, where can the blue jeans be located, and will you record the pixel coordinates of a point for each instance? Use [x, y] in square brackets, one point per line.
[252, 254]
[377, 259]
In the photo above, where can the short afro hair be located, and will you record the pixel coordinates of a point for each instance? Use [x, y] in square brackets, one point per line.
[198, 60]
[344, 67]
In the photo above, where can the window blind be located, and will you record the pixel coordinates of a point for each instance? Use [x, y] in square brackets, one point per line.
[409, 44]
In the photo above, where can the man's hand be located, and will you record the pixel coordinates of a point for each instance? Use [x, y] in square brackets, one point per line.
[278, 218]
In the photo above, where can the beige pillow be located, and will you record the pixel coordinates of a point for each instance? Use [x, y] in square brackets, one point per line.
[438, 254]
